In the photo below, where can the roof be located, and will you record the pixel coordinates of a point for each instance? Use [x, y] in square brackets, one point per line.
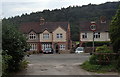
[100, 27]
[36, 27]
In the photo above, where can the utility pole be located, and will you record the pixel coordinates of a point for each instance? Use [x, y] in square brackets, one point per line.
[93, 43]
[93, 29]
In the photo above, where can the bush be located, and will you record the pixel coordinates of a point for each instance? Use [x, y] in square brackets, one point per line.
[98, 61]
[23, 64]
[6, 59]
[98, 68]
[90, 67]
[102, 48]
[102, 58]
[97, 43]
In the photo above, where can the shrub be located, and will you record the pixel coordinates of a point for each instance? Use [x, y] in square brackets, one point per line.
[6, 59]
[90, 67]
[101, 58]
[23, 64]
[98, 68]
[102, 48]
[97, 43]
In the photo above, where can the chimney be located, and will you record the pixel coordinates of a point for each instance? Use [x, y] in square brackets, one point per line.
[103, 19]
[42, 21]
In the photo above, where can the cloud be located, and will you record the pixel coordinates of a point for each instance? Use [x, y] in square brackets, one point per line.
[18, 7]
[26, 0]
[26, 9]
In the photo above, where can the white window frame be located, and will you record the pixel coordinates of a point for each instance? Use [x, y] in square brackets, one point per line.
[44, 46]
[33, 47]
[84, 35]
[62, 47]
[59, 35]
[32, 36]
[46, 36]
[97, 35]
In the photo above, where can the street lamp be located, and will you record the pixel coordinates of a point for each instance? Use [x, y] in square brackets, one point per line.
[93, 28]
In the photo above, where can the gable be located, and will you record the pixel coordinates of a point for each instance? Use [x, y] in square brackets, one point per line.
[32, 32]
[46, 31]
[60, 30]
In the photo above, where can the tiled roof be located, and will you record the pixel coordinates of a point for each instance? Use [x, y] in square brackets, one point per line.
[35, 26]
[100, 27]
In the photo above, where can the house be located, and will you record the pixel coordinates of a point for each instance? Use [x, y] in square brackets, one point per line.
[100, 34]
[43, 35]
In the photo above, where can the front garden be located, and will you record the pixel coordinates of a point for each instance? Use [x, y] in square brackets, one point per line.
[103, 60]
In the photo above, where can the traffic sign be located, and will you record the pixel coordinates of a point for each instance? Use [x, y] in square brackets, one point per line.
[93, 26]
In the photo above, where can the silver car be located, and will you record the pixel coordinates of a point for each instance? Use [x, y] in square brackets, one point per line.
[48, 50]
[79, 49]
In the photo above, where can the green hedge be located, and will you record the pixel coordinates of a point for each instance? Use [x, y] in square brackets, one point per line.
[97, 43]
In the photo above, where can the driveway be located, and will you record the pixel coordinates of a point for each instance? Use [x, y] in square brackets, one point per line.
[57, 64]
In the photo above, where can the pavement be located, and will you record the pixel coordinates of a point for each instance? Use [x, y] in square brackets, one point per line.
[58, 64]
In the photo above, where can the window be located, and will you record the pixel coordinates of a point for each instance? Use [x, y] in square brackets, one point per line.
[45, 36]
[97, 35]
[32, 36]
[59, 35]
[44, 46]
[33, 47]
[84, 35]
[62, 47]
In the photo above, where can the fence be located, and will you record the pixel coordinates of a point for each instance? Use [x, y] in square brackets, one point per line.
[106, 58]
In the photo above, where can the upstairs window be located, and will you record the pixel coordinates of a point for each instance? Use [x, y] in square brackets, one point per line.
[32, 36]
[59, 35]
[97, 35]
[46, 36]
[84, 35]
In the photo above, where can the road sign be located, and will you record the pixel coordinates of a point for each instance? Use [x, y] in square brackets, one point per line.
[93, 26]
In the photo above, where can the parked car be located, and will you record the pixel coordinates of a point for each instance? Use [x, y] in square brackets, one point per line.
[48, 50]
[79, 49]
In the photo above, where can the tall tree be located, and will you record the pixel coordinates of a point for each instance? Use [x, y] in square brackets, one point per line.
[115, 31]
[13, 44]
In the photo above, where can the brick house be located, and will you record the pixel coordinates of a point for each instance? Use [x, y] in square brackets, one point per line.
[43, 35]
[101, 33]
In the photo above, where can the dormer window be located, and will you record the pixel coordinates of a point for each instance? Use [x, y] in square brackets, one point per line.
[103, 19]
[32, 36]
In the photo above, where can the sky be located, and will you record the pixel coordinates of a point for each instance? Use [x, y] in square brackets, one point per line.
[11, 8]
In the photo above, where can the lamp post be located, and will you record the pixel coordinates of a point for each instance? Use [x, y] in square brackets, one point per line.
[93, 28]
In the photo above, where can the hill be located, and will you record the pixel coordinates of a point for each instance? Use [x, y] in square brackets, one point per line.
[72, 14]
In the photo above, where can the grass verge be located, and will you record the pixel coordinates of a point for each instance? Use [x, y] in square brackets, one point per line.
[99, 68]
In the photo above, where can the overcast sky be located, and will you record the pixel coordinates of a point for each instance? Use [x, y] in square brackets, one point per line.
[9, 8]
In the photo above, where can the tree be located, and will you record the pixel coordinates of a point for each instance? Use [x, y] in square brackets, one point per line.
[115, 35]
[115, 31]
[13, 44]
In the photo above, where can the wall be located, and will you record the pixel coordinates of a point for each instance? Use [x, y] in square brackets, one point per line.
[32, 40]
[59, 30]
[104, 36]
[46, 40]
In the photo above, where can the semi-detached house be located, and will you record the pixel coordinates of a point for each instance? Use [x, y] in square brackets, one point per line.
[43, 35]
[101, 33]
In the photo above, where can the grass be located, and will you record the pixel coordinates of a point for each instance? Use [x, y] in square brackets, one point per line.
[99, 68]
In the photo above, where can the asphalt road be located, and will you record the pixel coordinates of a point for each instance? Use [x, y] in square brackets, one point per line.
[57, 64]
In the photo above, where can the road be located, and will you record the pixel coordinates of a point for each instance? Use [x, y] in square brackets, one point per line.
[56, 64]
